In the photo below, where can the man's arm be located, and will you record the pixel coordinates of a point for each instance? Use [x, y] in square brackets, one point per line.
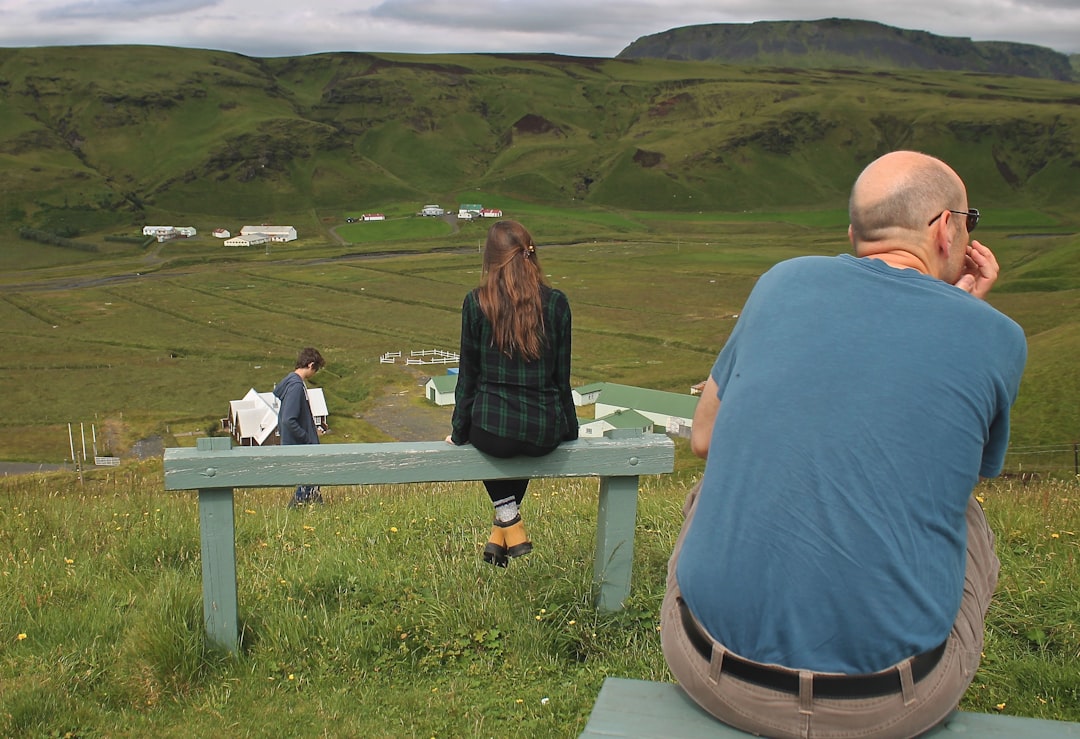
[704, 418]
[292, 406]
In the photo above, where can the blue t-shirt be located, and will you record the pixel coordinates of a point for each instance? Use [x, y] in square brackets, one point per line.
[859, 404]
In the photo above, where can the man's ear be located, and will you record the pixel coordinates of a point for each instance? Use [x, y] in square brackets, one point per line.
[943, 236]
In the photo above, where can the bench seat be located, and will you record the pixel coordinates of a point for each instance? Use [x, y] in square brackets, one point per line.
[651, 710]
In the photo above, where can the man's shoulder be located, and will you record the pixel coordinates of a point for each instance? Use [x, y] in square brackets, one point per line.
[813, 263]
[286, 381]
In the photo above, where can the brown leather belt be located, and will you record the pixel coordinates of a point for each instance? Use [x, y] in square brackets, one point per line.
[825, 686]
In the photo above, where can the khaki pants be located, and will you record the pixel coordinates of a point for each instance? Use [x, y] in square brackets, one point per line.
[908, 713]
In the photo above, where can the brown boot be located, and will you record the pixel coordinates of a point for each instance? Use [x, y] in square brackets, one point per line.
[495, 549]
[517, 541]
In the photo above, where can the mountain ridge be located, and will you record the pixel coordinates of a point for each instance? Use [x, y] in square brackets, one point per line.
[837, 42]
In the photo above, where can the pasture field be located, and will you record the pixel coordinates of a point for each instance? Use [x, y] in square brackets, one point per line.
[155, 342]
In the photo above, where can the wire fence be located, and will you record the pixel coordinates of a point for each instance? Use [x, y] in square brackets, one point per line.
[1032, 462]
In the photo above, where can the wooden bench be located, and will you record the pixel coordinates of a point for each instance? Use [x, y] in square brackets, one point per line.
[650, 710]
[215, 468]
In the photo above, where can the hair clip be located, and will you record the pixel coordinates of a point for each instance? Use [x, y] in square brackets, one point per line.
[529, 251]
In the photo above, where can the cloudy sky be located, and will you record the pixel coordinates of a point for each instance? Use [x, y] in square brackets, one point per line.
[578, 27]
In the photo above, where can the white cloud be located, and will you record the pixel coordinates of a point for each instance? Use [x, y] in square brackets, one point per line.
[117, 11]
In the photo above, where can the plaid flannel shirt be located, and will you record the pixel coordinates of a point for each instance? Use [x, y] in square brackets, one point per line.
[509, 397]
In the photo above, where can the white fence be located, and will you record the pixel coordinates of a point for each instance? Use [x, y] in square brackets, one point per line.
[422, 356]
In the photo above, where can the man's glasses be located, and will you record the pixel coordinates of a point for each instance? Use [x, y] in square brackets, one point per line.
[972, 217]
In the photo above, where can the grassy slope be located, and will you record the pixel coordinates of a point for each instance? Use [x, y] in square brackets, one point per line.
[147, 133]
[374, 616]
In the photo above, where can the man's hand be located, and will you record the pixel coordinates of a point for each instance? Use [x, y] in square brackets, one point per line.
[980, 270]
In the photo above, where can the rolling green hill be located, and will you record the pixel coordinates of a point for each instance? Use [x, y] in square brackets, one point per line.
[93, 138]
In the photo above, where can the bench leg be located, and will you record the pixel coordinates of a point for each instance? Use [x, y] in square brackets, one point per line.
[218, 535]
[615, 521]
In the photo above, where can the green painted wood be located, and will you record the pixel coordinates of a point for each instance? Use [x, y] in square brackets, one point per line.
[408, 462]
[616, 518]
[217, 528]
[215, 468]
[650, 710]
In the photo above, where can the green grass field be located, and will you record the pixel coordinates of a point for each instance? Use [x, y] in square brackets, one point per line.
[374, 615]
[156, 342]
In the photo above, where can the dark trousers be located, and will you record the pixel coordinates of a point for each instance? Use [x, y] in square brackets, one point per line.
[498, 446]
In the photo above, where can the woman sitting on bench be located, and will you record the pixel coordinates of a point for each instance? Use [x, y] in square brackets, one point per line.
[513, 391]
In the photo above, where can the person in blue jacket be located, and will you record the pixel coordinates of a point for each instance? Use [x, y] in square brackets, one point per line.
[296, 425]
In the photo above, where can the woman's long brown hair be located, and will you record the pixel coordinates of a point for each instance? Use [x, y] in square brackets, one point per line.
[510, 292]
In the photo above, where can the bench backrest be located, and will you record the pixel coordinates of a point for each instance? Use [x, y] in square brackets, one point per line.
[216, 464]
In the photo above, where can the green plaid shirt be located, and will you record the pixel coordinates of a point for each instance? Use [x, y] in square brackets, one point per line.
[509, 397]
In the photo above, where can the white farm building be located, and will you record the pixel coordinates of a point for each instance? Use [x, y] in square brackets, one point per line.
[671, 412]
[272, 233]
[253, 419]
[440, 389]
[166, 233]
[247, 240]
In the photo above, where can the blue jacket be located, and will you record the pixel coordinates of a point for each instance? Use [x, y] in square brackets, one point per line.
[295, 422]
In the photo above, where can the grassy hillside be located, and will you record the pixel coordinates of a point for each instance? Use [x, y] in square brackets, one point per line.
[672, 185]
[93, 138]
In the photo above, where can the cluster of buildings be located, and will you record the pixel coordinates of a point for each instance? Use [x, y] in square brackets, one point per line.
[253, 420]
[468, 211]
[264, 234]
[167, 233]
[248, 236]
[617, 406]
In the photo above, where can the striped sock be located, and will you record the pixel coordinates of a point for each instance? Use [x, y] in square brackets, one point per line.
[506, 510]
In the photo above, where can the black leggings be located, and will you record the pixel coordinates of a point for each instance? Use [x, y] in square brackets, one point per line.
[497, 446]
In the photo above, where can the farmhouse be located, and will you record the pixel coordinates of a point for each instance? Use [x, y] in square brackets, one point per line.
[468, 211]
[161, 233]
[252, 420]
[247, 240]
[166, 233]
[440, 389]
[587, 394]
[616, 420]
[272, 233]
[221, 233]
[672, 412]
[490, 213]
[432, 210]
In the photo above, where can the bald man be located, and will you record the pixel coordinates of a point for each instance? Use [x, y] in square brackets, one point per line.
[834, 569]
